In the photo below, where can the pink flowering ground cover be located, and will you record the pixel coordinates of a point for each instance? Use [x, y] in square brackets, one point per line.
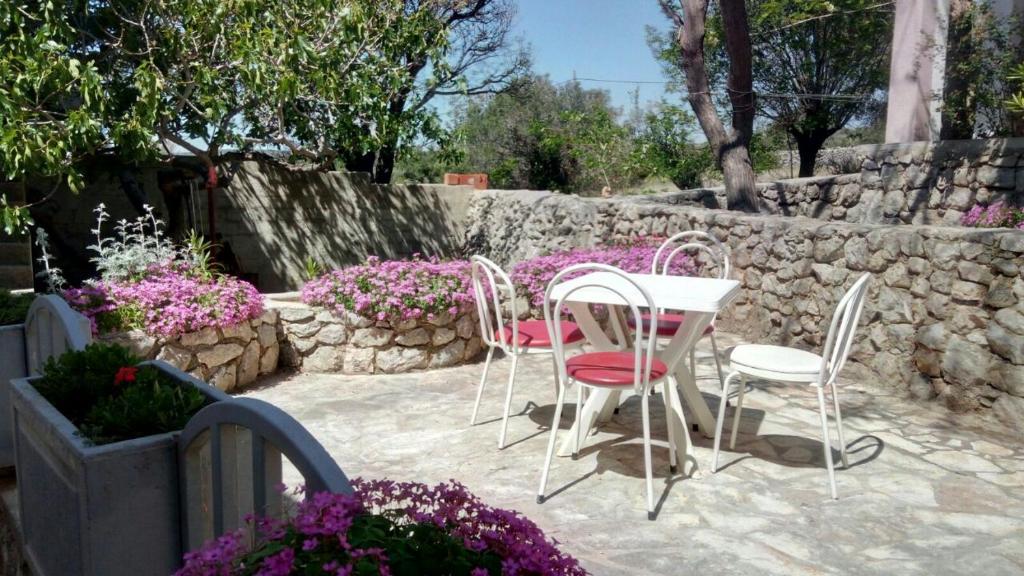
[997, 215]
[636, 256]
[168, 300]
[388, 528]
[399, 289]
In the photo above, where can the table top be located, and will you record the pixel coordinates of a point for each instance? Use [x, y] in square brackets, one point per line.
[669, 292]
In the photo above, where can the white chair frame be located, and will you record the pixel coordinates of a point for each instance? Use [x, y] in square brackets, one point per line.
[489, 310]
[644, 355]
[719, 254]
[837, 349]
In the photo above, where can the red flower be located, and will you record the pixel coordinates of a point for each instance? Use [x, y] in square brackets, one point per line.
[125, 374]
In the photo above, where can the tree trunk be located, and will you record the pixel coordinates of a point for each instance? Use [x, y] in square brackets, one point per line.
[730, 146]
[385, 166]
[361, 163]
[808, 146]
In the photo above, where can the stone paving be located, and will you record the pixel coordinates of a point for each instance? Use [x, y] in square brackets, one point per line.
[927, 492]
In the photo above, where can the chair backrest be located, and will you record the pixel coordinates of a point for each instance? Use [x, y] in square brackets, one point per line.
[635, 296]
[841, 331]
[490, 283]
[688, 241]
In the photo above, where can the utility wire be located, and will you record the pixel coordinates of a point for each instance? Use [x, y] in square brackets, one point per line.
[792, 95]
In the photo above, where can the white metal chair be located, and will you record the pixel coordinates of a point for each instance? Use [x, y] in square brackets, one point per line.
[782, 364]
[515, 337]
[637, 368]
[689, 241]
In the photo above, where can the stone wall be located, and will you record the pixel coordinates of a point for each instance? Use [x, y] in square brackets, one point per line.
[229, 358]
[274, 219]
[917, 183]
[315, 340]
[945, 311]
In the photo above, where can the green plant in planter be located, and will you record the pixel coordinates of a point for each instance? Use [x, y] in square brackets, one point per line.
[14, 307]
[102, 392]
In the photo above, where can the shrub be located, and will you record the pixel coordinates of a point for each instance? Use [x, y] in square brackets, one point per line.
[997, 215]
[534, 275]
[14, 307]
[388, 528]
[398, 289]
[102, 392]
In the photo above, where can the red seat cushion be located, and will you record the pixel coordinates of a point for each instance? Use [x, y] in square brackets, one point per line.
[534, 333]
[609, 368]
[668, 323]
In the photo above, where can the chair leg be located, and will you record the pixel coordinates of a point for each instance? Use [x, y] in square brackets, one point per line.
[718, 363]
[839, 425]
[720, 425]
[826, 443]
[508, 401]
[645, 401]
[551, 445]
[671, 432]
[554, 365]
[579, 421]
[738, 413]
[480, 389]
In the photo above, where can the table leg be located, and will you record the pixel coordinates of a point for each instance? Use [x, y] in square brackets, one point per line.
[600, 399]
[690, 392]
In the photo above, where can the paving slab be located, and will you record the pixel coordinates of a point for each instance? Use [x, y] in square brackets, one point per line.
[927, 492]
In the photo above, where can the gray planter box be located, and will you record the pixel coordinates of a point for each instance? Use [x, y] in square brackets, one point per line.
[96, 510]
[12, 365]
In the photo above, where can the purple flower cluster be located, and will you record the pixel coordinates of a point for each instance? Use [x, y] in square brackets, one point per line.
[997, 215]
[533, 275]
[318, 538]
[168, 300]
[400, 289]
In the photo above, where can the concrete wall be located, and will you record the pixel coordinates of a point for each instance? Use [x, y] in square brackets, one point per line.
[945, 312]
[274, 218]
[918, 183]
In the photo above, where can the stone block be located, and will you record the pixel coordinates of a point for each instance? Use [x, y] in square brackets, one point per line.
[302, 330]
[1001, 293]
[996, 177]
[968, 291]
[1011, 319]
[267, 334]
[325, 359]
[358, 360]
[224, 378]
[249, 365]
[417, 337]
[269, 358]
[303, 345]
[966, 363]
[398, 359]
[219, 354]
[465, 326]
[973, 272]
[204, 337]
[241, 331]
[371, 337]
[180, 358]
[442, 336]
[1005, 343]
[332, 334]
[295, 314]
[354, 320]
[1010, 410]
[933, 336]
[449, 355]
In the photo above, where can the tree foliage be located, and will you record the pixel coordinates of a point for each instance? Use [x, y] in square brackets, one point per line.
[313, 77]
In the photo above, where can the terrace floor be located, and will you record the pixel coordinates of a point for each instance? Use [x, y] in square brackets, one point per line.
[926, 492]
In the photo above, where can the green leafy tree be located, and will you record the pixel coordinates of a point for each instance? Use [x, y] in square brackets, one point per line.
[55, 105]
[817, 66]
[480, 56]
[665, 143]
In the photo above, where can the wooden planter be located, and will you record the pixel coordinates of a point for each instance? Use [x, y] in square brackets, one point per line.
[12, 365]
[96, 510]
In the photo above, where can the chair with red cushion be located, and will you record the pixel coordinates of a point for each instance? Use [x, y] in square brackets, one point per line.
[491, 286]
[636, 369]
[689, 242]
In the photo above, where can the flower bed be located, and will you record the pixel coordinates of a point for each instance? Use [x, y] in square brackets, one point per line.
[533, 276]
[997, 215]
[383, 316]
[389, 528]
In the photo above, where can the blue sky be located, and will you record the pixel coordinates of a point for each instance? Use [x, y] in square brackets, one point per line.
[596, 38]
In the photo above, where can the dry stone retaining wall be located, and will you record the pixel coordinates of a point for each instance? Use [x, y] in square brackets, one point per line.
[315, 340]
[945, 311]
[917, 183]
[229, 358]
